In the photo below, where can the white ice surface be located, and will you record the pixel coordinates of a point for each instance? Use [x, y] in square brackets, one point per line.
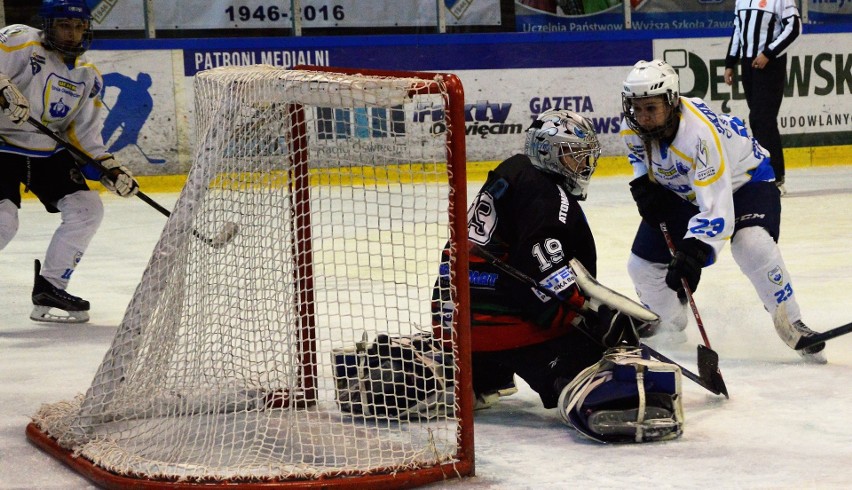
[787, 424]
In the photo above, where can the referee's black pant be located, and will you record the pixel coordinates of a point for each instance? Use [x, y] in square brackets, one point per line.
[764, 90]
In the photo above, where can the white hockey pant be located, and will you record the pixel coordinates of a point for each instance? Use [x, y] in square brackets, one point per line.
[81, 214]
[8, 222]
[649, 279]
[760, 260]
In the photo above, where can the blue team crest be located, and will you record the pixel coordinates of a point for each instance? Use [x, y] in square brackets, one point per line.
[681, 168]
[776, 275]
[59, 109]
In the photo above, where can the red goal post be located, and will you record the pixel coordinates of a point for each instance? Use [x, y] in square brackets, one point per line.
[259, 363]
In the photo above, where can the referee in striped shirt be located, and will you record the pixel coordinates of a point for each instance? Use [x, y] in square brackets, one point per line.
[763, 30]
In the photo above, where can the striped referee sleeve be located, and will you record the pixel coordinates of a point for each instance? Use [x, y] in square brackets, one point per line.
[768, 27]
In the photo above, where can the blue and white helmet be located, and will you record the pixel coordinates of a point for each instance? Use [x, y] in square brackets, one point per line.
[564, 143]
[52, 10]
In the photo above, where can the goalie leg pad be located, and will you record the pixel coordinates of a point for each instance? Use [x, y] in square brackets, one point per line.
[625, 398]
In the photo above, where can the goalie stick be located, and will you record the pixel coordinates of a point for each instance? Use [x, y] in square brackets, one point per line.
[710, 360]
[225, 235]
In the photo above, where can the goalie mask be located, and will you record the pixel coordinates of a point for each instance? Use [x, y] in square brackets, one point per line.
[564, 143]
[654, 78]
[67, 26]
[625, 398]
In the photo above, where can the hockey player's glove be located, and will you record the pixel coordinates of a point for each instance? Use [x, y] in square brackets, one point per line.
[15, 105]
[653, 200]
[616, 328]
[686, 263]
[118, 179]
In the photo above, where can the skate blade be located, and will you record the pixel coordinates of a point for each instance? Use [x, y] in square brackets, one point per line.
[657, 422]
[57, 315]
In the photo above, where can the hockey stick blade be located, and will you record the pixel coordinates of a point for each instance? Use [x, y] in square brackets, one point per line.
[708, 370]
[705, 382]
[805, 342]
[224, 237]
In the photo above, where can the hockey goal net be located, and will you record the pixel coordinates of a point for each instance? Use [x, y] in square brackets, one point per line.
[280, 332]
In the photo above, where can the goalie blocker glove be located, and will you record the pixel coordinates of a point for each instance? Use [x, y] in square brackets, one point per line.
[625, 398]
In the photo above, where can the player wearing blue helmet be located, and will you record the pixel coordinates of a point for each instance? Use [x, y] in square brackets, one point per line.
[45, 74]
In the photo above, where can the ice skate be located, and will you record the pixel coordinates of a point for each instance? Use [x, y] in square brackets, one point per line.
[813, 354]
[51, 304]
[490, 398]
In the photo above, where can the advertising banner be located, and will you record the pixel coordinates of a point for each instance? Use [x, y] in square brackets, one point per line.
[608, 15]
[272, 14]
[149, 104]
[817, 106]
[829, 11]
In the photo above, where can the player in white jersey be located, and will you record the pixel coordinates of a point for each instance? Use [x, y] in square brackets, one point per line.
[704, 176]
[44, 75]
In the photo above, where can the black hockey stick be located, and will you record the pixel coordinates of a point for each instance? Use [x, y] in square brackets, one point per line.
[708, 359]
[712, 384]
[225, 235]
[805, 342]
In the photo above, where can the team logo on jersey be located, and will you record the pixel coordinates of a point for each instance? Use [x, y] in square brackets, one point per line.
[776, 275]
[59, 109]
[36, 62]
[702, 171]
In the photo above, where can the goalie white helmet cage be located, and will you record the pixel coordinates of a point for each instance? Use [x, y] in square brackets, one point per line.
[564, 143]
[650, 79]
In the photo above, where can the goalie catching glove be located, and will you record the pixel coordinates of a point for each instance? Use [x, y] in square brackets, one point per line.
[118, 179]
[15, 105]
[395, 377]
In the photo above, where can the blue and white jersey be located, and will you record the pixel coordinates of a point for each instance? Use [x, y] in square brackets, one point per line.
[64, 98]
[711, 157]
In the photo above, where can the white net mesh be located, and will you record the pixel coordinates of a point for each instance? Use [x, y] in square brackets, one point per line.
[313, 217]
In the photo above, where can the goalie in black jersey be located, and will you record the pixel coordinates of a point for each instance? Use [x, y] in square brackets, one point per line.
[527, 217]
